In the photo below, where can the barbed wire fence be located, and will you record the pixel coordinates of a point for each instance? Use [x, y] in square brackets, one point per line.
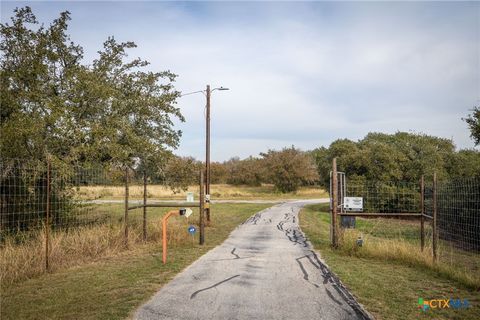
[437, 218]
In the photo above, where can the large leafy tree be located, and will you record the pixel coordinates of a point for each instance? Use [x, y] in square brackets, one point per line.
[52, 104]
[249, 171]
[289, 168]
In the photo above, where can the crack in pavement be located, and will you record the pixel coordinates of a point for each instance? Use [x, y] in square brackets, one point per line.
[215, 285]
[292, 233]
[341, 289]
[236, 255]
[333, 298]
[305, 273]
[254, 219]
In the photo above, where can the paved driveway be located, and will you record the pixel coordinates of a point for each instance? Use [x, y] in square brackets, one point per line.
[264, 270]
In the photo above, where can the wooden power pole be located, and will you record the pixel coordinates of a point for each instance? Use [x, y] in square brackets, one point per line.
[207, 156]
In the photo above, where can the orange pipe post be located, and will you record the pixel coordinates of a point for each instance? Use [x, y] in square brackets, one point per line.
[164, 233]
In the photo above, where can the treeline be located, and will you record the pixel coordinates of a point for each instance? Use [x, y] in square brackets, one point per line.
[378, 157]
[399, 157]
[287, 169]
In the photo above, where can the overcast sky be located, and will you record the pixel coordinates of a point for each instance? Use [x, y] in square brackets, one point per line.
[299, 73]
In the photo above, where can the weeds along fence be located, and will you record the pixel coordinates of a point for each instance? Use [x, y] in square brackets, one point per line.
[434, 223]
[53, 216]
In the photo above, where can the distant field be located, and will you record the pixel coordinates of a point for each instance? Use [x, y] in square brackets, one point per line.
[218, 191]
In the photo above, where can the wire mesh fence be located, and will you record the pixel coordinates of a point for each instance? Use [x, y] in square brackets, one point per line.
[457, 205]
[431, 222]
[458, 212]
[381, 197]
[53, 215]
[29, 190]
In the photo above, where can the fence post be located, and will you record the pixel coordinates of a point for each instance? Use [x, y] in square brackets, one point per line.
[47, 219]
[126, 206]
[334, 203]
[202, 210]
[422, 210]
[435, 231]
[144, 205]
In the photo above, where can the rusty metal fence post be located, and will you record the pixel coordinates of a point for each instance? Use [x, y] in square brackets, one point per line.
[334, 204]
[144, 205]
[47, 219]
[435, 231]
[422, 210]
[202, 209]
[126, 206]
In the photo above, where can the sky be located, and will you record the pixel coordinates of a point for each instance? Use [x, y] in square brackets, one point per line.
[299, 73]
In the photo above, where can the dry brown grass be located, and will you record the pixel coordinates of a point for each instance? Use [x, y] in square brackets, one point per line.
[409, 253]
[218, 191]
[78, 246]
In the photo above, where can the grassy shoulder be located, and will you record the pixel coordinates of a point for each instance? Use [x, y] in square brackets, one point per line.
[218, 192]
[113, 287]
[388, 288]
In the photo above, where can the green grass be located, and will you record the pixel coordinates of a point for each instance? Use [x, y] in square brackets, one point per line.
[388, 287]
[113, 287]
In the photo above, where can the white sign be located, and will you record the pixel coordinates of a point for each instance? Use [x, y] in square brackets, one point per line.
[190, 197]
[188, 213]
[353, 203]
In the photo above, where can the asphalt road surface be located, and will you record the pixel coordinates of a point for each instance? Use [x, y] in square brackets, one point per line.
[265, 270]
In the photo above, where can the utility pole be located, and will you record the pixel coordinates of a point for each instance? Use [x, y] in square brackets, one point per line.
[207, 160]
[206, 181]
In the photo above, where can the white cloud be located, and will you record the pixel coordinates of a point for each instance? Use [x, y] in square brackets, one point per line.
[304, 73]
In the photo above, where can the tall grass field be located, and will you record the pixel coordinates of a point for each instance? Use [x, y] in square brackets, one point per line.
[218, 191]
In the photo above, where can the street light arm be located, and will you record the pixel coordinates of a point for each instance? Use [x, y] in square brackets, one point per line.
[220, 89]
[189, 93]
[204, 91]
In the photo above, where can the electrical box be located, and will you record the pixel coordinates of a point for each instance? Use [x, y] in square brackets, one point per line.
[353, 204]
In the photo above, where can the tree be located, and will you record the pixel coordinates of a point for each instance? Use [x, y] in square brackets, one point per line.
[218, 173]
[399, 157]
[289, 168]
[248, 171]
[112, 112]
[465, 164]
[473, 121]
[53, 105]
[181, 172]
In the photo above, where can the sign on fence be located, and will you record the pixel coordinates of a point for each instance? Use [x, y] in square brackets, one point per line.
[353, 203]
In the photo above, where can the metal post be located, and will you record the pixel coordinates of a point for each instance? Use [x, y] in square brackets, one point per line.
[144, 205]
[435, 231]
[334, 203]
[202, 209]
[164, 234]
[126, 206]
[422, 210]
[207, 156]
[47, 219]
